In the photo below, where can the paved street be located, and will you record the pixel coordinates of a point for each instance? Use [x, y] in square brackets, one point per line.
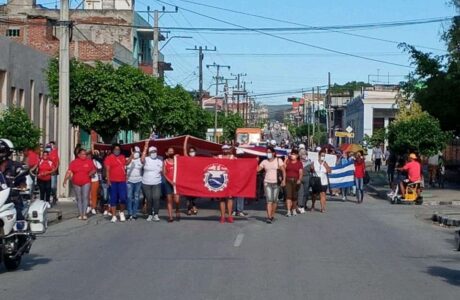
[369, 251]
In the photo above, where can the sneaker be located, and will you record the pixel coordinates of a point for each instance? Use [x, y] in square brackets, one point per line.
[294, 213]
[106, 213]
[390, 194]
[301, 210]
[122, 217]
[288, 214]
[88, 210]
[93, 211]
[131, 218]
[222, 220]
[149, 218]
[344, 199]
[268, 221]
[234, 213]
[242, 214]
[156, 218]
[230, 220]
[114, 219]
[109, 214]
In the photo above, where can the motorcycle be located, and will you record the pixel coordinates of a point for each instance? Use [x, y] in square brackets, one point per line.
[17, 236]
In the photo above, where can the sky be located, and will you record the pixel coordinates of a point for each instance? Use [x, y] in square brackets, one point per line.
[273, 64]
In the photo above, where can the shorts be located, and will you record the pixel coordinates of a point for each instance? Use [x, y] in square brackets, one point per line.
[272, 191]
[292, 189]
[118, 193]
[323, 189]
[378, 161]
[169, 189]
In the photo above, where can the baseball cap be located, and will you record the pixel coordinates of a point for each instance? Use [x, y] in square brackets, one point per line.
[273, 142]
[318, 148]
[226, 147]
[302, 146]
[152, 149]
[137, 149]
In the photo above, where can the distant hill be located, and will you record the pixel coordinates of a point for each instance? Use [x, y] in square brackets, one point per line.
[276, 112]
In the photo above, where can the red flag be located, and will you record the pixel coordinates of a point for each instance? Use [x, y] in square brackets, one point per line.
[215, 177]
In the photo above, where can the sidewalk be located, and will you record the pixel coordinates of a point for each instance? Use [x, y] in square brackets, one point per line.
[450, 195]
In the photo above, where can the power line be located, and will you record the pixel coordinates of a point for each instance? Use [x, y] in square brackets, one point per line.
[314, 27]
[291, 40]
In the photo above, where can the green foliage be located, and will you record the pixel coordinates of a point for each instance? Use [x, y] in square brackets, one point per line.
[435, 83]
[229, 123]
[376, 139]
[348, 87]
[16, 126]
[415, 130]
[108, 99]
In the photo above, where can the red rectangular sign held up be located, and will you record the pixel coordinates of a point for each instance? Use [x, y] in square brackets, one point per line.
[215, 177]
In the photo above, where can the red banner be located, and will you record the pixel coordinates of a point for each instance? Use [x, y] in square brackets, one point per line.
[215, 177]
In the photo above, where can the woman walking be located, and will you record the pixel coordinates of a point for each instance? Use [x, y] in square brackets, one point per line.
[304, 190]
[115, 165]
[191, 206]
[320, 168]
[271, 186]
[151, 181]
[80, 170]
[360, 171]
[294, 175]
[95, 183]
[45, 169]
[171, 196]
[134, 171]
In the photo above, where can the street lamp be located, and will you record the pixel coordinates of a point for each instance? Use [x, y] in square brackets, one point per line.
[175, 37]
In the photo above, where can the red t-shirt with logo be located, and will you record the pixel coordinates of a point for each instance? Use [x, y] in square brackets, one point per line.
[32, 158]
[81, 169]
[413, 169]
[45, 166]
[169, 170]
[117, 165]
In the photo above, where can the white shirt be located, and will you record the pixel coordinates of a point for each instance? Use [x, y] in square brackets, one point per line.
[97, 176]
[134, 171]
[321, 171]
[152, 171]
[377, 152]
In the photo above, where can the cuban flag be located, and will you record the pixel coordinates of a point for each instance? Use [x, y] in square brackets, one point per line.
[342, 176]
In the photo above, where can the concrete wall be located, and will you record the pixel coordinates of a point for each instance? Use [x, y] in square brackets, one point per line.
[23, 83]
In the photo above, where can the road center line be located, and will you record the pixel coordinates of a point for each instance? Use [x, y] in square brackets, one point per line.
[238, 240]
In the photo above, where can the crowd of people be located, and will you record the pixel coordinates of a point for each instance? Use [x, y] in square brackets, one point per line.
[122, 187]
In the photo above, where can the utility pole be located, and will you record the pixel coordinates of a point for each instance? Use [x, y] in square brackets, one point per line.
[239, 75]
[328, 109]
[217, 66]
[200, 50]
[226, 94]
[156, 39]
[64, 82]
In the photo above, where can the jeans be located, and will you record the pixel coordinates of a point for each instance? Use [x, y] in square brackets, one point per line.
[272, 191]
[344, 192]
[152, 197]
[304, 191]
[54, 181]
[134, 190]
[82, 196]
[45, 189]
[239, 204]
[359, 182]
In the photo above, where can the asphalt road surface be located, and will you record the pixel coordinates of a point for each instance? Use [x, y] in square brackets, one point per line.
[368, 251]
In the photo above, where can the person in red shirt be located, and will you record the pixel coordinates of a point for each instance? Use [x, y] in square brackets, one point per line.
[80, 170]
[115, 165]
[294, 175]
[360, 172]
[171, 196]
[54, 156]
[45, 169]
[414, 172]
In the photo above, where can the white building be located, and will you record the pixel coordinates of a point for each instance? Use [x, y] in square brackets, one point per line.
[371, 109]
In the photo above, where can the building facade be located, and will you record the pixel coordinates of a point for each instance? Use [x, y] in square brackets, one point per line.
[23, 84]
[371, 109]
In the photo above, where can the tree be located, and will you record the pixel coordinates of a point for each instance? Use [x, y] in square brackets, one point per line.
[348, 87]
[435, 83]
[16, 126]
[108, 99]
[229, 124]
[416, 130]
[377, 138]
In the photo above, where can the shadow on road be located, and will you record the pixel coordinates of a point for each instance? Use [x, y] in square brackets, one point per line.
[29, 262]
[450, 276]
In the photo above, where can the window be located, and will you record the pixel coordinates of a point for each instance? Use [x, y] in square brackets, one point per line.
[13, 96]
[32, 99]
[21, 98]
[378, 123]
[13, 32]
